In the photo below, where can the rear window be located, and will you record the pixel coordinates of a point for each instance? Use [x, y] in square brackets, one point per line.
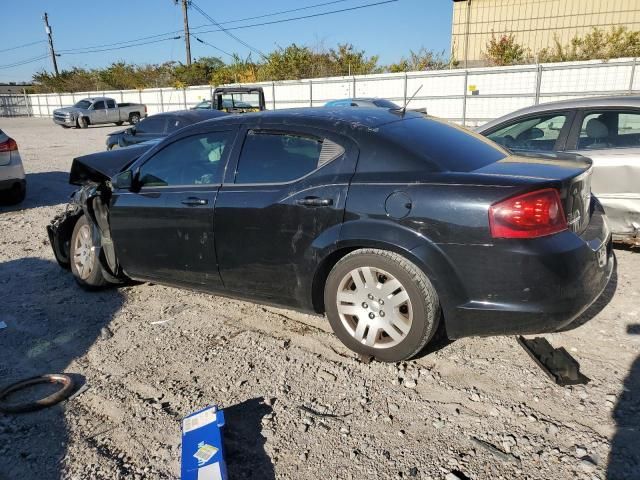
[450, 147]
[382, 103]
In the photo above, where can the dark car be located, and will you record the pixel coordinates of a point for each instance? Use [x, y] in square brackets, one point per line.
[389, 223]
[158, 126]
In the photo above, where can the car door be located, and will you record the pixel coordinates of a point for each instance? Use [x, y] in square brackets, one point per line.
[112, 111]
[163, 229]
[534, 132]
[147, 129]
[282, 203]
[611, 138]
[98, 112]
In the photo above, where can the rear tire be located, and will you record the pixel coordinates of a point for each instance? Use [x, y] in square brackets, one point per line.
[134, 118]
[85, 264]
[17, 194]
[380, 304]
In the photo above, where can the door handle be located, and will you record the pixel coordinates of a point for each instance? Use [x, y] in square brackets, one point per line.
[193, 201]
[315, 202]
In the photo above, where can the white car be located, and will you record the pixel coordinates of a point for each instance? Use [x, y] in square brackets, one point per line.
[13, 185]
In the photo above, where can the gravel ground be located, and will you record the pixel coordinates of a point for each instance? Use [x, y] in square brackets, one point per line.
[298, 404]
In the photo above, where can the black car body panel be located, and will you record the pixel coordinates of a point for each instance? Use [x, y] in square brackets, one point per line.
[101, 166]
[404, 183]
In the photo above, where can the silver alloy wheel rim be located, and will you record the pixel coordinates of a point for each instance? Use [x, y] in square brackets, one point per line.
[374, 307]
[83, 253]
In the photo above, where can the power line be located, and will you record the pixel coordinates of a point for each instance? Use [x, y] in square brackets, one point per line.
[212, 46]
[242, 42]
[24, 62]
[23, 45]
[173, 32]
[273, 22]
[177, 37]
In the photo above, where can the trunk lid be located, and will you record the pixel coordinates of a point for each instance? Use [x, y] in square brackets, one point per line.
[570, 174]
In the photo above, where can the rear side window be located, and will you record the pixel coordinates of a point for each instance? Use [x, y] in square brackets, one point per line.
[450, 147]
[111, 104]
[269, 157]
[610, 129]
[99, 105]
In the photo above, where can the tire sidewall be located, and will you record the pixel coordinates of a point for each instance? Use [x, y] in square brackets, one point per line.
[134, 119]
[425, 317]
[96, 278]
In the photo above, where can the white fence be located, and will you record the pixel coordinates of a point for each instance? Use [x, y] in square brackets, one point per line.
[470, 97]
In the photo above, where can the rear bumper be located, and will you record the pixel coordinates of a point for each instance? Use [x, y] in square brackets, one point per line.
[530, 286]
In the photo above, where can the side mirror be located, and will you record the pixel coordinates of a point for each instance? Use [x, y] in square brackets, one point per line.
[123, 180]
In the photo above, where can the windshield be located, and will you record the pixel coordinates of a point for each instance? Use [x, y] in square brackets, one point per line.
[83, 104]
[241, 100]
[452, 148]
[382, 103]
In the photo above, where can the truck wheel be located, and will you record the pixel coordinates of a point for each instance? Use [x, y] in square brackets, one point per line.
[119, 123]
[380, 304]
[83, 122]
[85, 264]
[134, 118]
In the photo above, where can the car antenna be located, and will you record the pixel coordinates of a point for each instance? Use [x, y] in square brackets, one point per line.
[403, 110]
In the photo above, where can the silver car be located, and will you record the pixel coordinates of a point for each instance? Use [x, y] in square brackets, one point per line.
[605, 129]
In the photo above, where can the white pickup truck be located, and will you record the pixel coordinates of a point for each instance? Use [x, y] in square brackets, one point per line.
[98, 110]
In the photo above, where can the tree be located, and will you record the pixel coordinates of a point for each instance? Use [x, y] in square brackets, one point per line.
[200, 72]
[423, 59]
[504, 50]
[598, 44]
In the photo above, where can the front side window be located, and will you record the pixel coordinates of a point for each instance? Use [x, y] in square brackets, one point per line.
[609, 129]
[99, 105]
[83, 104]
[151, 125]
[111, 104]
[538, 133]
[269, 157]
[195, 160]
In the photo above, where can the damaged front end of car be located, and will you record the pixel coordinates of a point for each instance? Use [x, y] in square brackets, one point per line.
[93, 174]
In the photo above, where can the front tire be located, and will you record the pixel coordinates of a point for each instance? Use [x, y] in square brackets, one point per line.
[380, 304]
[83, 122]
[85, 264]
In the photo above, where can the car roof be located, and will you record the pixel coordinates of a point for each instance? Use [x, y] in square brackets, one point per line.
[588, 102]
[324, 117]
[192, 115]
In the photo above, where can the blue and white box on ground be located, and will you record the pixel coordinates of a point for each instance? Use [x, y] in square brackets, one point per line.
[202, 453]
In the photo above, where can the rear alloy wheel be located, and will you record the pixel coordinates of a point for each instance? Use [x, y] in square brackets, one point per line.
[134, 118]
[380, 304]
[85, 264]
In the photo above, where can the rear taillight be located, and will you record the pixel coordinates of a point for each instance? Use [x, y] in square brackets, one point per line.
[9, 146]
[531, 215]
[145, 109]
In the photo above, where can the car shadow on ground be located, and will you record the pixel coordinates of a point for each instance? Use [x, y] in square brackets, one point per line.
[43, 189]
[50, 322]
[624, 457]
[244, 445]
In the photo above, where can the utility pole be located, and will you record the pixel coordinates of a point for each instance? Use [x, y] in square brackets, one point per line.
[187, 42]
[47, 29]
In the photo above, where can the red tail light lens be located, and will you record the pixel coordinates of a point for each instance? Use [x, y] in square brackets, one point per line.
[531, 215]
[145, 109]
[9, 146]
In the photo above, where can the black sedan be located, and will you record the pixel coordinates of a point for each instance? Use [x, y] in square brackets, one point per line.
[388, 222]
[158, 126]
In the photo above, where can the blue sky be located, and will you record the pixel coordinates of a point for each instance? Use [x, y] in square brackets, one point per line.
[388, 30]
